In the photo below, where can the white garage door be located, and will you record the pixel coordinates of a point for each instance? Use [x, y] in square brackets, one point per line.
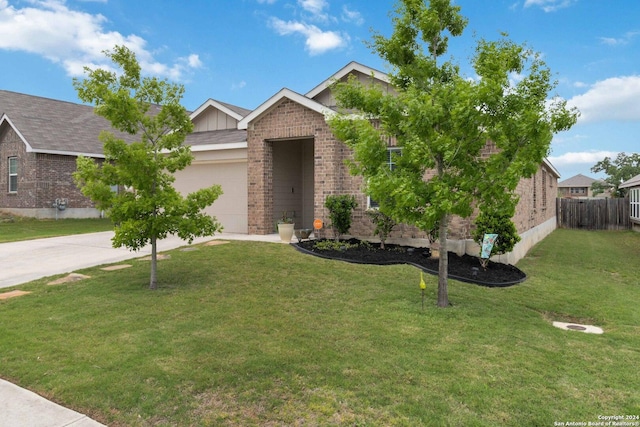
[231, 208]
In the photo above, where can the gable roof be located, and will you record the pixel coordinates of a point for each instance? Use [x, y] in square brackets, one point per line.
[54, 127]
[577, 181]
[270, 103]
[633, 182]
[344, 71]
[231, 110]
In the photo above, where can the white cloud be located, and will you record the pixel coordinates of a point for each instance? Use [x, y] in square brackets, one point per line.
[313, 6]
[615, 99]
[354, 16]
[584, 157]
[237, 86]
[75, 39]
[549, 5]
[316, 10]
[626, 39]
[193, 61]
[317, 40]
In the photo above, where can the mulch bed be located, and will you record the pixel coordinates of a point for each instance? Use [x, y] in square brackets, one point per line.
[465, 268]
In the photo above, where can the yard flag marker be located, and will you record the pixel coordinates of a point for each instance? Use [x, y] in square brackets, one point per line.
[423, 286]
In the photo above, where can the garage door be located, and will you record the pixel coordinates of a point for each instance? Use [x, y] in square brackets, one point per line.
[231, 208]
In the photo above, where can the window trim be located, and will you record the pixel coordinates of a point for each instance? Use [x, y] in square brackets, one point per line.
[634, 202]
[12, 176]
[391, 164]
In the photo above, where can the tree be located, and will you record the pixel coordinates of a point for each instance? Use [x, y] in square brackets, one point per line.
[149, 208]
[442, 121]
[384, 224]
[619, 170]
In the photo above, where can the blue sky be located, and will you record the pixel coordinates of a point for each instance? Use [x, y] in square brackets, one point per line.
[244, 51]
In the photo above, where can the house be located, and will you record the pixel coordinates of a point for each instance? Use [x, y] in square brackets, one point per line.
[40, 140]
[633, 186]
[280, 157]
[577, 187]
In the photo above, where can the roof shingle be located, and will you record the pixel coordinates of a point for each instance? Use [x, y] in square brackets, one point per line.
[53, 126]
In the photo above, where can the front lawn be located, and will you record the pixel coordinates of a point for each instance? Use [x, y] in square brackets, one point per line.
[250, 333]
[13, 228]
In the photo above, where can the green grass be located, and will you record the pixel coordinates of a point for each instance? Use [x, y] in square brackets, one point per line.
[18, 228]
[258, 334]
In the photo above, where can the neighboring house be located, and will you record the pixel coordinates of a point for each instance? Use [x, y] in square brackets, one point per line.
[633, 186]
[40, 140]
[577, 187]
[282, 156]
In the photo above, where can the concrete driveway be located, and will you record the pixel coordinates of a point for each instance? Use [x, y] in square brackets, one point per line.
[22, 262]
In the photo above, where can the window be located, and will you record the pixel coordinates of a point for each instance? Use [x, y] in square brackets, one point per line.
[544, 189]
[634, 200]
[13, 174]
[578, 190]
[392, 154]
[535, 192]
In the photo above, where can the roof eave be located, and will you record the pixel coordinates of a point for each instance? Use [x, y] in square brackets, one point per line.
[553, 169]
[213, 103]
[5, 119]
[633, 182]
[67, 153]
[275, 99]
[344, 71]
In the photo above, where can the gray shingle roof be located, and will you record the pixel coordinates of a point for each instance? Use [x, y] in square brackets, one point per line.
[54, 126]
[633, 182]
[577, 181]
[242, 111]
[225, 136]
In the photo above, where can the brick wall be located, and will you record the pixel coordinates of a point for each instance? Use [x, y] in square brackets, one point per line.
[12, 146]
[55, 180]
[537, 199]
[290, 120]
[42, 178]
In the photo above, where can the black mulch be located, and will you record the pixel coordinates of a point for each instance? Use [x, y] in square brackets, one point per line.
[465, 268]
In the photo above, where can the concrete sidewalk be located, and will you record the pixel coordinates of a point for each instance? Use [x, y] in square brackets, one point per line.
[22, 262]
[20, 408]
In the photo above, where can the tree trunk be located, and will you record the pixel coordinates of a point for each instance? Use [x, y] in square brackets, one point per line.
[153, 282]
[443, 264]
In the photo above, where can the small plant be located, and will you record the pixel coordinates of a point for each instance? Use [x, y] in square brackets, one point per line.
[340, 209]
[384, 225]
[495, 224]
[366, 244]
[285, 219]
[333, 245]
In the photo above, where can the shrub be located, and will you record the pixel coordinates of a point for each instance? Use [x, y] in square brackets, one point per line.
[340, 210]
[384, 224]
[496, 224]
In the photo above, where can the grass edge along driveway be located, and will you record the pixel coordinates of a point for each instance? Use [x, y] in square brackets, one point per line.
[13, 229]
[258, 334]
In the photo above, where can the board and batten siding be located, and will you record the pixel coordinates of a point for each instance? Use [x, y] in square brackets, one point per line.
[213, 119]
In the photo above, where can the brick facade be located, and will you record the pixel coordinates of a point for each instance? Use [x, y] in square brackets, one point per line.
[42, 178]
[289, 120]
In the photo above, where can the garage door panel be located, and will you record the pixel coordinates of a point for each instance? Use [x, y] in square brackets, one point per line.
[230, 209]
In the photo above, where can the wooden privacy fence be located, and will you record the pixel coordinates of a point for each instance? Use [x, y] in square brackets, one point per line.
[593, 214]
